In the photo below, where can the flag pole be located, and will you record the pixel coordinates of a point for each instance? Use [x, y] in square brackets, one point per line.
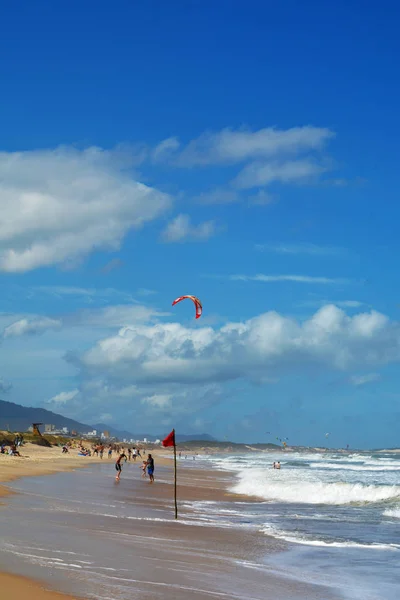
[176, 505]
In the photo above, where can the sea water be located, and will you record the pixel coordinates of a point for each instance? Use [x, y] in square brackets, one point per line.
[335, 519]
[90, 536]
[339, 514]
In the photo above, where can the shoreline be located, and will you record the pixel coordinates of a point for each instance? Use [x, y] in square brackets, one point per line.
[216, 550]
[37, 461]
[40, 461]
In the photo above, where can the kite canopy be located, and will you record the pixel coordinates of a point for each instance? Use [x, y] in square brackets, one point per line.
[196, 301]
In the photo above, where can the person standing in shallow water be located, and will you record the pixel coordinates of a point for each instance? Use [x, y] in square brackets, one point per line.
[118, 465]
[150, 467]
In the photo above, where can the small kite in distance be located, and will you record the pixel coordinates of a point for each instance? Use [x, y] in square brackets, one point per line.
[195, 300]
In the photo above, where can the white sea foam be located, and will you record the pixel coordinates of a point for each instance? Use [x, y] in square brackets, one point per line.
[392, 512]
[296, 538]
[256, 483]
[346, 467]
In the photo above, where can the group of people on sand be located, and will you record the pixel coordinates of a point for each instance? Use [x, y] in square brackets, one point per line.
[98, 450]
[12, 449]
[12, 446]
[147, 465]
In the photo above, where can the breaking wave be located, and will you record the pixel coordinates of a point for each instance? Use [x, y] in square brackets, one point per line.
[297, 538]
[392, 512]
[315, 492]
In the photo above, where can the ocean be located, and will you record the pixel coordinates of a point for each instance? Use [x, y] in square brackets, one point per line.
[339, 514]
[326, 527]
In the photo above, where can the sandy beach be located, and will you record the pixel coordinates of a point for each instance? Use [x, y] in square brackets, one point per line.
[188, 559]
[35, 460]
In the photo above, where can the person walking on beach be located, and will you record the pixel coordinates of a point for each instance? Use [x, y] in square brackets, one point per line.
[150, 468]
[118, 465]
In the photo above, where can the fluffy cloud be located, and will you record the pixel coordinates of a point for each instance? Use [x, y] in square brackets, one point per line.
[63, 398]
[272, 155]
[32, 326]
[169, 371]
[260, 347]
[59, 205]
[233, 146]
[259, 174]
[181, 229]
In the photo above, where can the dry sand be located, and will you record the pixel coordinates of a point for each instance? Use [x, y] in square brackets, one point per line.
[39, 460]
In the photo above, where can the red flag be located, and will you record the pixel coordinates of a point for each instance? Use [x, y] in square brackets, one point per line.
[169, 440]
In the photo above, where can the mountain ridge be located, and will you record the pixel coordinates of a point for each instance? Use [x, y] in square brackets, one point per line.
[18, 418]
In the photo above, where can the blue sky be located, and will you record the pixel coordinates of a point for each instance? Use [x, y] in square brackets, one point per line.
[245, 153]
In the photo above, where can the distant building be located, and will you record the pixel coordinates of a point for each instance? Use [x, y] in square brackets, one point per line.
[105, 434]
[145, 440]
[49, 428]
[91, 434]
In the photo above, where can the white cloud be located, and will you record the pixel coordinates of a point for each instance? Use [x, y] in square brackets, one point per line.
[158, 400]
[270, 155]
[259, 174]
[293, 278]
[115, 316]
[340, 303]
[168, 370]
[169, 354]
[31, 326]
[364, 379]
[164, 149]
[181, 229]
[63, 397]
[231, 146]
[60, 205]
[311, 249]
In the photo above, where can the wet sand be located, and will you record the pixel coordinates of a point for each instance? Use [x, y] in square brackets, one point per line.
[21, 588]
[126, 544]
